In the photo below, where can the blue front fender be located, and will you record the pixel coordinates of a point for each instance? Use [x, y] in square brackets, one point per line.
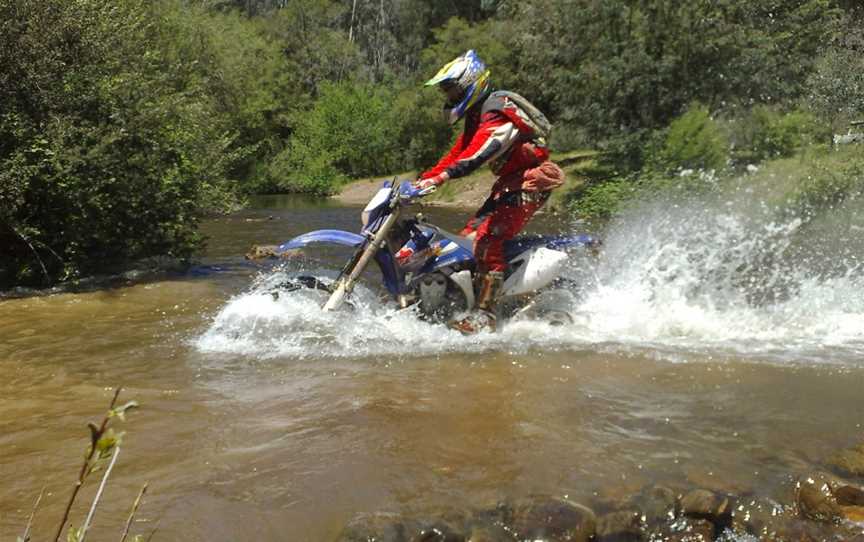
[346, 238]
[336, 237]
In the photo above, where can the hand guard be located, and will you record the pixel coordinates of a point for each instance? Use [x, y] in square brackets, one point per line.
[427, 186]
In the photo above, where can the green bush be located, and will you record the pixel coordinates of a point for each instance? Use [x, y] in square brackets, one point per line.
[693, 141]
[346, 134]
[827, 185]
[766, 133]
[602, 200]
[417, 125]
[112, 148]
[248, 71]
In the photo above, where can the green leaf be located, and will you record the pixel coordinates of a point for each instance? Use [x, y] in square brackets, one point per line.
[74, 534]
[120, 412]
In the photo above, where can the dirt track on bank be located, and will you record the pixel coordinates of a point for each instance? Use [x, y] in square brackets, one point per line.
[468, 192]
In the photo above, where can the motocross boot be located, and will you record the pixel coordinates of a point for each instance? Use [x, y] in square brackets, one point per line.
[488, 288]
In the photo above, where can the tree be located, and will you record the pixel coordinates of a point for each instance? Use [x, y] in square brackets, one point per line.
[836, 87]
[622, 68]
[112, 146]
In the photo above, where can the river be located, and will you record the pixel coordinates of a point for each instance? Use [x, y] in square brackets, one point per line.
[708, 350]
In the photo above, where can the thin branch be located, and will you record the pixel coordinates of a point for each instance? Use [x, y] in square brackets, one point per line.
[155, 527]
[51, 250]
[96, 432]
[351, 24]
[98, 495]
[132, 513]
[32, 249]
[26, 536]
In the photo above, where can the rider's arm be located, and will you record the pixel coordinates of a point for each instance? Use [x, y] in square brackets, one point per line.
[495, 135]
[447, 160]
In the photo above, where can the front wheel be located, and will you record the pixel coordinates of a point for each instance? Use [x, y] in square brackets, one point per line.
[306, 284]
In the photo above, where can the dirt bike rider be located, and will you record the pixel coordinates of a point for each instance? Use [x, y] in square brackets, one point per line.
[500, 132]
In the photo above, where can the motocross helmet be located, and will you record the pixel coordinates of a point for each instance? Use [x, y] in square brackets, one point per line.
[465, 80]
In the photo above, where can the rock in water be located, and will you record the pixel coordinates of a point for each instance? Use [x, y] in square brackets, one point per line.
[552, 519]
[622, 526]
[438, 534]
[707, 505]
[659, 505]
[271, 252]
[692, 530]
[849, 496]
[849, 462]
[814, 501]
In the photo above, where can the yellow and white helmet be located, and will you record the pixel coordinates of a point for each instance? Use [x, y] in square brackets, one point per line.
[470, 76]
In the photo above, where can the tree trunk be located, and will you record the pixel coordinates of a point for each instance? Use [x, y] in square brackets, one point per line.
[351, 25]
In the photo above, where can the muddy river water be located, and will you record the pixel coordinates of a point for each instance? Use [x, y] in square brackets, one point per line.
[262, 419]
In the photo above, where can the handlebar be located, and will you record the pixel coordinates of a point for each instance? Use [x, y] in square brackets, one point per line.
[408, 192]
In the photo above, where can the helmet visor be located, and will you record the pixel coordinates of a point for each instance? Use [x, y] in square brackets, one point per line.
[452, 91]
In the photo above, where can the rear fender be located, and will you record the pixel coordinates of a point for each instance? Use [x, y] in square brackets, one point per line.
[539, 267]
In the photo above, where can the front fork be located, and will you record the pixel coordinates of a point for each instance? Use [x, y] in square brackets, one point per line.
[345, 283]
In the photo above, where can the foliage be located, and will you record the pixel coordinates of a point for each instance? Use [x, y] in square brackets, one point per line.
[418, 127]
[347, 133]
[246, 70]
[836, 86]
[602, 200]
[456, 37]
[693, 141]
[645, 61]
[103, 449]
[110, 153]
[827, 185]
[766, 132]
[315, 48]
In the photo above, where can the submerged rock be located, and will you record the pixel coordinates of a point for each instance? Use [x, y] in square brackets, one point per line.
[622, 526]
[849, 496]
[849, 462]
[852, 513]
[824, 508]
[760, 518]
[393, 528]
[716, 482]
[489, 534]
[814, 504]
[658, 504]
[552, 519]
[707, 505]
[438, 534]
[377, 527]
[691, 530]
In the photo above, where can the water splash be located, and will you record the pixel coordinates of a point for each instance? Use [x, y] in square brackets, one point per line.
[260, 324]
[726, 275]
[713, 277]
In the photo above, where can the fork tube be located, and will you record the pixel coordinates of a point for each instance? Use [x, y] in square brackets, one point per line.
[346, 284]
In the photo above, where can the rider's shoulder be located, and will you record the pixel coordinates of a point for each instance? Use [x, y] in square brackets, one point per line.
[498, 100]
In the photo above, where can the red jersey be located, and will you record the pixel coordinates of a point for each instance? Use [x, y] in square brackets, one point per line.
[499, 137]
